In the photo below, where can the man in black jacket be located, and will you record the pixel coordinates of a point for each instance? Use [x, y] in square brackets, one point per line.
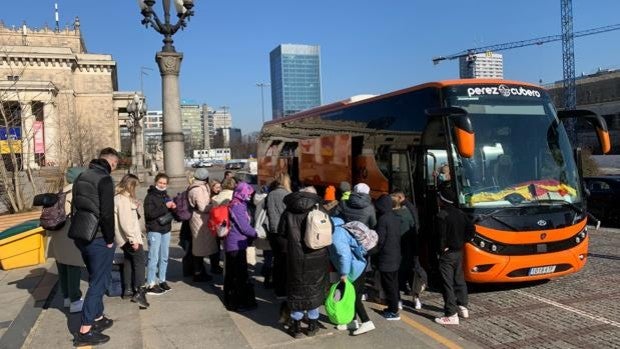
[388, 254]
[454, 228]
[93, 191]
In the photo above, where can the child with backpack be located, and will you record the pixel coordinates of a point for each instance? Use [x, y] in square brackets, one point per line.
[238, 291]
[348, 256]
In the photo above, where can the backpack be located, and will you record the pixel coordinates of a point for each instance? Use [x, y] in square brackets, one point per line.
[261, 220]
[54, 217]
[318, 229]
[367, 237]
[219, 221]
[183, 212]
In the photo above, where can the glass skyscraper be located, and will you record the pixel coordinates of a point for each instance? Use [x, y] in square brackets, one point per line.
[295, 78]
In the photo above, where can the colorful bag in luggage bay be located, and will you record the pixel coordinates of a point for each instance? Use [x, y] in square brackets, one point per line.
[219, 221]
[340, 303]
[318, 232]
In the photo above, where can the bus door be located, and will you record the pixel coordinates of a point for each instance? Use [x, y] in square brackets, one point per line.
[434, 159]
[401, 172]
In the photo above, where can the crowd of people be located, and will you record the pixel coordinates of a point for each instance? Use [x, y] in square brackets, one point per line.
[276, 220]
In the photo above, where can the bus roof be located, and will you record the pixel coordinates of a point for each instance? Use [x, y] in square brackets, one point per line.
[350, 102]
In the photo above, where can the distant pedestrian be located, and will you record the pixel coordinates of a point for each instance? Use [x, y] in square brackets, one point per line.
[93, 209]
[358, 207]
[158, 218]
[307, 268]
[68, 257]
[407, 234]
[229, 175]
[238, 291]
[454, 228]
[329, 198]
[419, 278]
[279, 189]
[349, 258]
[388, 254]
[345, 190]
[128, 236]
[203, 242]
[216, 187]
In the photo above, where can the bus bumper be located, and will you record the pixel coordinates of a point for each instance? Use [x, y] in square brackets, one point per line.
[482, 267]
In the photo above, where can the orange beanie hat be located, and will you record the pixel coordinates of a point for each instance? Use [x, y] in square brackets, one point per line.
[330, 193]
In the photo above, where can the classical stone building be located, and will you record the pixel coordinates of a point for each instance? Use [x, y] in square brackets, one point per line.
[600, 93]
[60, 100]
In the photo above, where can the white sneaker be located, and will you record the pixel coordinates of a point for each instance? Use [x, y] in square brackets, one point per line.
[364, 327]
[463, 312]
[448, 320]
[67, 303]
[418, 304]
[76, 306]
[400, 305]
[351, 326]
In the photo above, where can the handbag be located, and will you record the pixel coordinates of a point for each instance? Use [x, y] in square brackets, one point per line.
[165, 219]
[84, 226]
[340, 303]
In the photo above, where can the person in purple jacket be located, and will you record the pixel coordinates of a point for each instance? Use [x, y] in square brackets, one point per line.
[238, 291]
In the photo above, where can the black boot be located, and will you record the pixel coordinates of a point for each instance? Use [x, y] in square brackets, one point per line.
[295, 329]
[140, 298]
[313, 328]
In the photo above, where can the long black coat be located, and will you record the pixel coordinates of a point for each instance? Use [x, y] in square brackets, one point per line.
[306, 268]
[388, 229]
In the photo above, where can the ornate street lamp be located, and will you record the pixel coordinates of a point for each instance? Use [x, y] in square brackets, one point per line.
[169, 62]
[136, 110]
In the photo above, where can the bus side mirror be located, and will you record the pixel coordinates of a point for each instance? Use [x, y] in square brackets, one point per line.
[595, 120]
[463, 131]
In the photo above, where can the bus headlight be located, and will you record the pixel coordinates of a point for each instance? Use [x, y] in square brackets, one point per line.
[494, 248]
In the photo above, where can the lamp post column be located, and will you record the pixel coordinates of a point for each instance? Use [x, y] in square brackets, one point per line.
[174, 151]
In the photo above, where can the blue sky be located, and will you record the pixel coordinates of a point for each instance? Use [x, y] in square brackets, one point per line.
[368, 46]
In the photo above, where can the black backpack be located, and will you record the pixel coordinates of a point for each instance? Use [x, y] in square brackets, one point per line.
[54, 217]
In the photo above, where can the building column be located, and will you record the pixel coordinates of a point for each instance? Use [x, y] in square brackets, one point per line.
[27, 136]
[54, 144]
[174, 151]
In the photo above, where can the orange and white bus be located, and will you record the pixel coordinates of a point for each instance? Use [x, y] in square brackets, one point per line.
[510, 160]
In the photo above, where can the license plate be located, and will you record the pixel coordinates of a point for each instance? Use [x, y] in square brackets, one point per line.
[542, 270]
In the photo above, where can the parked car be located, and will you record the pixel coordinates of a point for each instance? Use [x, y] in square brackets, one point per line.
[603, 199]
[234, 165]
[202, 163]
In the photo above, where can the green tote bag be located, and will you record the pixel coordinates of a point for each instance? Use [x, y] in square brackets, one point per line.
[340, 303]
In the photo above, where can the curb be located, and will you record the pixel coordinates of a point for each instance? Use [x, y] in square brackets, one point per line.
[20, 328]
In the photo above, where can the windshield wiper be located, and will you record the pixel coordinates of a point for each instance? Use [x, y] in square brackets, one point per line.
[576, 208]
[483, 217]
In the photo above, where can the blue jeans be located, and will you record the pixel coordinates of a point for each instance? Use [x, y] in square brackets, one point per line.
[98, 259]
[159, 245]
[297, 315]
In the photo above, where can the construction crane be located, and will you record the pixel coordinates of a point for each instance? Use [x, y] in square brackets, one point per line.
[523, 43]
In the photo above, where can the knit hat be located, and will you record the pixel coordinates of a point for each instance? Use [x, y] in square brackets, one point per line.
[73, 173]
[330, 193]
[361, 188]
[201, 174]
[344, 186]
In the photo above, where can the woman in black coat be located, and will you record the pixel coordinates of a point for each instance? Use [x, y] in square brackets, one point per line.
[306, 268]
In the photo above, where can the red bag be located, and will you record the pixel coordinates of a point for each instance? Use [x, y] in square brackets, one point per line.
[219, 221]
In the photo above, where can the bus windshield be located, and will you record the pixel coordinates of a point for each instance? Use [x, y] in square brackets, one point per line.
[522, 154]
